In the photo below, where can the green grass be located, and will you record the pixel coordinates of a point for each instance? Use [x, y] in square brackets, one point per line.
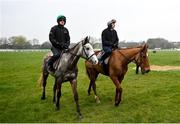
[153, 97]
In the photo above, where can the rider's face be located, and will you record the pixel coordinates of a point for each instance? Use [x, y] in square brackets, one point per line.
[61, 22]
[113, 25]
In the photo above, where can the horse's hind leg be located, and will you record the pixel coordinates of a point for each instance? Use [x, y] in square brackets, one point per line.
[89, 89]
[44, 78]
[54, 91]
[74, 89]
[92, 77]
[93, 84]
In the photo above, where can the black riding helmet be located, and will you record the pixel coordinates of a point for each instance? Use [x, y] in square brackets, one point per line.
[61, 17]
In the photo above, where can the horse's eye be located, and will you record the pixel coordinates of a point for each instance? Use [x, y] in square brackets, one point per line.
[87, 48]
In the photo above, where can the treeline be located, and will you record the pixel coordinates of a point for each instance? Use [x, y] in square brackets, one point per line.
[20, 42]
[153, 43]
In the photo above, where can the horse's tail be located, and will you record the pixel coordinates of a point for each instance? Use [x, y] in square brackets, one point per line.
[40, 80]
[45, 59]
[88, 70]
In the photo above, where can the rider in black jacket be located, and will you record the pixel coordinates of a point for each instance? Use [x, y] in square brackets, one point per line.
[109, 39]
[60, 40]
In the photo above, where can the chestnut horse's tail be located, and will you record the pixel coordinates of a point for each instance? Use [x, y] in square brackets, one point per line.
[87, 72]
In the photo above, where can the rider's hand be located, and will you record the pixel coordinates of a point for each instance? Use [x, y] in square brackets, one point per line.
[65, 50]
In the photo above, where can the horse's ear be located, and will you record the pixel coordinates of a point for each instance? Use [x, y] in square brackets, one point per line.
[145, 46]
[86, 40]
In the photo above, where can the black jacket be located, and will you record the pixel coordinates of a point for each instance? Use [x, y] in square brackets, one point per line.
[110, 38]
[59, 37]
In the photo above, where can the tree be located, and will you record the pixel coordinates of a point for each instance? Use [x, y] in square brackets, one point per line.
[35, 41]
[4, 43]
[159, 43]
[46, 45]
[18, 42]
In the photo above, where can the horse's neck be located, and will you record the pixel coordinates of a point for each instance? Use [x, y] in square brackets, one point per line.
[130, 53]
[73, 57]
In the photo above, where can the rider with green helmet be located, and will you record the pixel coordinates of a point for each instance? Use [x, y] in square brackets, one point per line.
[60, 40]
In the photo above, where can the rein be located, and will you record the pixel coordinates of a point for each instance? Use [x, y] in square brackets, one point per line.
[125, 57]
[129, 60]
[85, 54]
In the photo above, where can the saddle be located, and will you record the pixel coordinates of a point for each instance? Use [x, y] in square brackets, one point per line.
[55, 64]
[104, 64]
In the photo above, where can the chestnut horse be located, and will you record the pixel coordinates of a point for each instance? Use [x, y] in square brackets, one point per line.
[66, 70]
[117, 68]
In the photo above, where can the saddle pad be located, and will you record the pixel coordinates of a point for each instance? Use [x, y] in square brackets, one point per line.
[100, 54]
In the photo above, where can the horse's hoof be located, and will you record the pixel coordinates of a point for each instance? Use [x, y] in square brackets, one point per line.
[43, 98]
[79, 116]
[57, 108]
[116, 104]
[89, 93]
[98, 101]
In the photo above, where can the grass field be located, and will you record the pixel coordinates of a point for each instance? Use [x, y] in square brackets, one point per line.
[154, 97]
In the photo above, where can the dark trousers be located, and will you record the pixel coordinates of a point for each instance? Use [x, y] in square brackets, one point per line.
[56, 54]
[107, 53]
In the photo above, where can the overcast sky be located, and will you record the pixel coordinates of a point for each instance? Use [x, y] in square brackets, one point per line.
[137, 20]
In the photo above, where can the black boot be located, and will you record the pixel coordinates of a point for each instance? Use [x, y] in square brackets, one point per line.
[50, 64]
[102, 59]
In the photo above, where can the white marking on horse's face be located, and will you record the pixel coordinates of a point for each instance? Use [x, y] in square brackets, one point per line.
[89, 53]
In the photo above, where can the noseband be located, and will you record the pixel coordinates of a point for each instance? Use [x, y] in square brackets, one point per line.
[87, 58]
[86, 54]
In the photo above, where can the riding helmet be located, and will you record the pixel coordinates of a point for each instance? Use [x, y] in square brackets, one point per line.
[61, 17]
[111, 22]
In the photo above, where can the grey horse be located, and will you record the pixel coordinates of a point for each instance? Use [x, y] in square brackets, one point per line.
[66, 70]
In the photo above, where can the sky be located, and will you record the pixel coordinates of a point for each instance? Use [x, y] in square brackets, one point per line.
[137, 20]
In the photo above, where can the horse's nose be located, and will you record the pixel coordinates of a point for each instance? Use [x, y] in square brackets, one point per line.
[147, 70]
[96, 62]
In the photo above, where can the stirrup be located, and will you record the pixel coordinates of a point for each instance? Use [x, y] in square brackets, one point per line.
[50, 69]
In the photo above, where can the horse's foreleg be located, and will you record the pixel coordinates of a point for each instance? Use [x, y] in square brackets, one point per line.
[54, 91]
[118, 90]
[137, 69]
[89, 89]
[58, 89]
[44, 78]
[74, 89]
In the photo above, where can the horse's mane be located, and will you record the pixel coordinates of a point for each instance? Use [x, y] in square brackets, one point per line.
[130, 47]
[71, 48]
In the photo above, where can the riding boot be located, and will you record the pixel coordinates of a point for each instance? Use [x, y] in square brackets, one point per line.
[50, 63]
[105, 67]
[102, 59]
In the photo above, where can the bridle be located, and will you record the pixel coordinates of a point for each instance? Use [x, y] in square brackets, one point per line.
[87, 57]
[134, 58]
